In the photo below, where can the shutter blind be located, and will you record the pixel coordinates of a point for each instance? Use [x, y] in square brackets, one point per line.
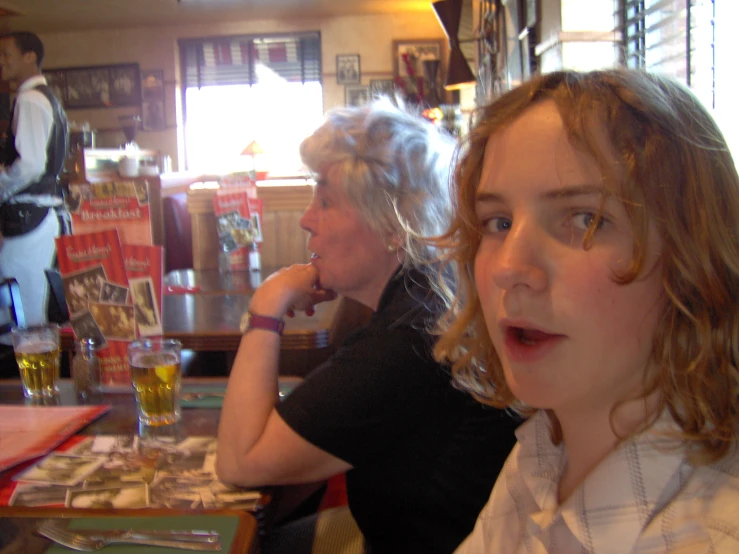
[236, 60]
[671, 37]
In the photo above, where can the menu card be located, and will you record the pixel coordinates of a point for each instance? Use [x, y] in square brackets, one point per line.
[144, 266]
[98, 297]
[238, 220]
[121, 205]
[27, 432]
[244, 180]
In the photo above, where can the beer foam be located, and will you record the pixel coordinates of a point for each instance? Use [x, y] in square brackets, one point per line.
[150, 360]
[36, 347]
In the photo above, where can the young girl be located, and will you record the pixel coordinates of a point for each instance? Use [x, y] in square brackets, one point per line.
[597, 237]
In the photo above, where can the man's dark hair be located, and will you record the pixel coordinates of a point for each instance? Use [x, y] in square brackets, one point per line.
[29, 42]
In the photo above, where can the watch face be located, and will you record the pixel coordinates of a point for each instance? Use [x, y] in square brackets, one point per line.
[244, 324]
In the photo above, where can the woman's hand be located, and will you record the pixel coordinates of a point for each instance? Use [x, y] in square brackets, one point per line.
[291, 289]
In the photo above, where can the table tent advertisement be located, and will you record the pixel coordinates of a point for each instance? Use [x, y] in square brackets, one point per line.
[121, 205]
[111, 272]
[239, 223]
[144, 268]
[98, 297]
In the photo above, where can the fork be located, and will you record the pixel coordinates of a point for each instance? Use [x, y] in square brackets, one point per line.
[189, 535]
[78, 541]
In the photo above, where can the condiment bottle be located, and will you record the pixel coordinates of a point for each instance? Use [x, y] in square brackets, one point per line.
[86, 368]
[255, 259]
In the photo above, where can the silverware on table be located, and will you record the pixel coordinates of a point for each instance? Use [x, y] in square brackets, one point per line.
[89, 540]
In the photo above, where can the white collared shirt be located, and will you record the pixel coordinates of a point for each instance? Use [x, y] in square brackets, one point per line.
[31, 123]
[642, 498]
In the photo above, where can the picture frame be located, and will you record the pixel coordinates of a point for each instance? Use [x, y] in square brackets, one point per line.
[102, 86]
[348, 70]
[356, 95]
[382, 87]
[417, 50]
[152, 100]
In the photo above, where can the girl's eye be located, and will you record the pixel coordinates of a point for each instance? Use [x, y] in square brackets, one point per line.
[497, 224]
[584, 221]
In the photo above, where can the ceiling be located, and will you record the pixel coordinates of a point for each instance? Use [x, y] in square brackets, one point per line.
[44, 16]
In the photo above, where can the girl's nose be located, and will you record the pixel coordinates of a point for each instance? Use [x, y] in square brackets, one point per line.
[519, 259]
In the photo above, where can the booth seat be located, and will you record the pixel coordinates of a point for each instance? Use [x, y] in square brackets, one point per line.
[177, 232]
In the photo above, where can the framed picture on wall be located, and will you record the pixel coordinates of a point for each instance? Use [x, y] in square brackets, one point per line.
[57, 81]
[152, 100]
[382, 87]
[347, 69]
[357, 95]
[408, 55]
[103, 86]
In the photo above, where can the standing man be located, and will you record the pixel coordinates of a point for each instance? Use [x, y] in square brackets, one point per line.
[33, 158]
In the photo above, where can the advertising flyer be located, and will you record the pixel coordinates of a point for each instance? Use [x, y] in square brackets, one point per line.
[98, 297]
[121, 205]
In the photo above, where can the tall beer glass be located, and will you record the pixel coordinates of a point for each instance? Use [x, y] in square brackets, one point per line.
[37, 352]
[156, 377]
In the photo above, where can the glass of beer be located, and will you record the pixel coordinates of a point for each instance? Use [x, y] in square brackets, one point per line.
[38, 354]
[156, 376]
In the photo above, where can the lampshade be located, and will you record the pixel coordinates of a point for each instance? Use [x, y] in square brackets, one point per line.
[252, 149]
[458, 74]
[449, 14]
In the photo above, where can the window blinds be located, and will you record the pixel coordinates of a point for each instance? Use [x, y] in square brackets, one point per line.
[672, 37]
[244, 60]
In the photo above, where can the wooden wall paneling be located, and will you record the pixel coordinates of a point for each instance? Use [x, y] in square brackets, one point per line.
[290, 239]
[284, 243]
[269, 244]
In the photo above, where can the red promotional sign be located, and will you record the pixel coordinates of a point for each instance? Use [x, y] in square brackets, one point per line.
[98, 297]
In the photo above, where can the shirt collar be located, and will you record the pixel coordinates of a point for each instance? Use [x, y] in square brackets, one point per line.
[634, 482]
[32, 82]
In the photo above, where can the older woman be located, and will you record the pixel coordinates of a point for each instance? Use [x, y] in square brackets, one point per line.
[420, 456]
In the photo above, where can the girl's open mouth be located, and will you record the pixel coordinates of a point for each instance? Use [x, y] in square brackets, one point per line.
[529, 345]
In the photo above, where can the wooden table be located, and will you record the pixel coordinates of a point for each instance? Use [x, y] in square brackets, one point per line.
[208, 321]
[122, 419]
[307, 342]
[212, 281]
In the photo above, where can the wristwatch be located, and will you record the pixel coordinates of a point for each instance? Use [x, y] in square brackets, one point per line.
[254, 321]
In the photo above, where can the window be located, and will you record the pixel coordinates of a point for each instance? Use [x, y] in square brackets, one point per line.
[243, 88]
[693, 41]
[675, 38]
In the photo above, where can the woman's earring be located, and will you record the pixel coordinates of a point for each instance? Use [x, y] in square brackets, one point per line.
[391, 247]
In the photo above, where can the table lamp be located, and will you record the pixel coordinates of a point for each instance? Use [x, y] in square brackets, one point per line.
[258, 165]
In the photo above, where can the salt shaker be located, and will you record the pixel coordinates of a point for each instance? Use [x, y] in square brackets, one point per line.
[86, 368]
[255, 260]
